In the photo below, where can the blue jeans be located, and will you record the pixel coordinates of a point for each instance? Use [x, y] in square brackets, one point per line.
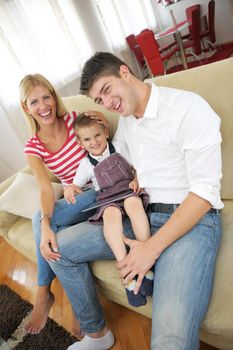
[182, 283]
[64, 215]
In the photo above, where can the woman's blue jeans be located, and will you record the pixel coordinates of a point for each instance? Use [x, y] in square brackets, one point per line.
[182, 282]
[64, 215]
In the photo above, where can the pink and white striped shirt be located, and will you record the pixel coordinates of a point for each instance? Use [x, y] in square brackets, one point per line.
[65, 162]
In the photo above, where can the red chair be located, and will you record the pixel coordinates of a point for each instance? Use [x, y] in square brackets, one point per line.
[156, 62]
[137, 54]
[164, 48]
[194, 44]
[209, 34]
[188, 12]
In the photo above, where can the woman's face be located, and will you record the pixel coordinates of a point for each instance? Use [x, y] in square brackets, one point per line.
[41, 104]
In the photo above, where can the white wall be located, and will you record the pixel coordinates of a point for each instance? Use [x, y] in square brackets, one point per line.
[11, 149]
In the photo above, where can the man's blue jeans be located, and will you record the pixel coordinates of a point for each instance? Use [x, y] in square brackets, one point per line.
[182, 282]
[64, 215]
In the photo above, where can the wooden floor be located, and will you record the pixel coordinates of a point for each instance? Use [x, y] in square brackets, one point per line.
[132, 331]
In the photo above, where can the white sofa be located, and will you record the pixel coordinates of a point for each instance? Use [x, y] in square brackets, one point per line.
[215, 83]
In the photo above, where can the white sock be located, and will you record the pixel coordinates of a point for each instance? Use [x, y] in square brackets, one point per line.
[89, 343]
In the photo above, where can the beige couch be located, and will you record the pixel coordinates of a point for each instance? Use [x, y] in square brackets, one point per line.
[215, 83]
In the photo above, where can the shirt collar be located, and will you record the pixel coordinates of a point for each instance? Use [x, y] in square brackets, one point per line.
[151, 110]
[105, 154]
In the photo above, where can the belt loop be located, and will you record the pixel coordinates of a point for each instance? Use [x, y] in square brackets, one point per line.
[175, 206]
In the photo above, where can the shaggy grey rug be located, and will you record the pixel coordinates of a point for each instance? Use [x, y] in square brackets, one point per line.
[14, 313]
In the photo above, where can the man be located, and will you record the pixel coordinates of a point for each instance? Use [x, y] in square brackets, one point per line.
[174, 142]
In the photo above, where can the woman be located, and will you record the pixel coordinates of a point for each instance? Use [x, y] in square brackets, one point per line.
[53, 145]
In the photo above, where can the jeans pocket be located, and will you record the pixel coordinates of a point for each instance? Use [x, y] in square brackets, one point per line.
[208, 220]
[157, 220]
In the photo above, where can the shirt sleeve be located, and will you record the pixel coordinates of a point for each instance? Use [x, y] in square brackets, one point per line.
[82, 176]
[200, 140]
[30, 149]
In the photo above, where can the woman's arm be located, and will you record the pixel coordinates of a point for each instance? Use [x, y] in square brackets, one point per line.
[48, 242]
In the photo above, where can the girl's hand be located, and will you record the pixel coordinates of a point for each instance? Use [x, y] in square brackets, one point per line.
[70, 192]
[48, 245]
[135, 186]
[99, 117]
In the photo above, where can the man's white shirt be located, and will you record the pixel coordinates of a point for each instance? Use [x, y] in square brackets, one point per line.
[175, 147]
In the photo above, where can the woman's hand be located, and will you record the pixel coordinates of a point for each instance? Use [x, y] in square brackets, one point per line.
[99, 117]
[138, 261]
[70, 192]
[48, 245]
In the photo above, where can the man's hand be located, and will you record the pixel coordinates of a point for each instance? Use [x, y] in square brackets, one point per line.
[48, 245]
[70, 192]
[138, 262]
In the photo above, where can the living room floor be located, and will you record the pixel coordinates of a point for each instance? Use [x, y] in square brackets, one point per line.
[132, 330]
[222, 52]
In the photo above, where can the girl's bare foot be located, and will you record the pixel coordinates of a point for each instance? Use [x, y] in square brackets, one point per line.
[44, 302]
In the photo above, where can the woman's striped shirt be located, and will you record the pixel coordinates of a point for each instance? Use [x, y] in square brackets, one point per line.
[63, 163]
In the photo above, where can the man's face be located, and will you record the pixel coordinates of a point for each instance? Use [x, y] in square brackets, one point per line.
[116, 94]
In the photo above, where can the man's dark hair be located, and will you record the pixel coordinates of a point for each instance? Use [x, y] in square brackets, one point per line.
[101, 64]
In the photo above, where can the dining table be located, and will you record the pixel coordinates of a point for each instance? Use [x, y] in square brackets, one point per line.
[176, 30]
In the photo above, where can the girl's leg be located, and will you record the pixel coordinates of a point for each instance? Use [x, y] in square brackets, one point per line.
[113, 233]
[140, 223]
[64, 215]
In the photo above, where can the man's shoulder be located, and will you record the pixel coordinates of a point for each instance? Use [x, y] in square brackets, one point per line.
[179, 98]
[119, 146]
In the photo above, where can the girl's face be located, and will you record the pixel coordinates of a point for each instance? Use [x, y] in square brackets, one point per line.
[93, 138]
[41, 104]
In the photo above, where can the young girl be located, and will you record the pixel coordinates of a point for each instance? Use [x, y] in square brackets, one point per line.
[112, 176]
[52, 145]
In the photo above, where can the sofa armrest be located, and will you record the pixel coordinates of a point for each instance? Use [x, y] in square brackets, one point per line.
[6, 222]
[8, 219]
[5, 184]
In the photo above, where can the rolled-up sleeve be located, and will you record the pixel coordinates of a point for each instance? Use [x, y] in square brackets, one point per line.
[200, 139]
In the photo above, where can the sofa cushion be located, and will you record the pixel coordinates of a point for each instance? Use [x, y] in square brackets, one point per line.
[20, 236]
[22, 197]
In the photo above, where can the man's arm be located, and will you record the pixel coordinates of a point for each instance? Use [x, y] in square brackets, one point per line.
[198, 137]
[143, 255]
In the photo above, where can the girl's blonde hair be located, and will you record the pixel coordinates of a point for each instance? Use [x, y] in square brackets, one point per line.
[26, 85]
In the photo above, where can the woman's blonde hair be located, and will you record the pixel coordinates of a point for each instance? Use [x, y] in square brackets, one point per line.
[26, 85]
